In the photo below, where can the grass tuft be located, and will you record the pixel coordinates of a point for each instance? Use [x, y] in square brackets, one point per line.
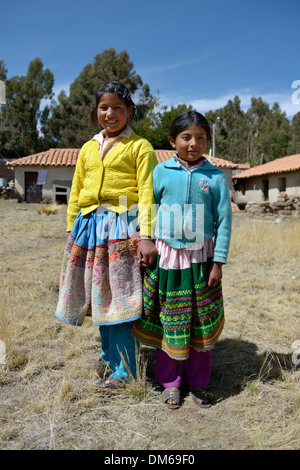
[50, 209]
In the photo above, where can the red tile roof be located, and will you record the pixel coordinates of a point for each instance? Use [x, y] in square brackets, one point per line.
[163, 155]
[221, 163]
[280, 165]
[51, 157]
[68, 157]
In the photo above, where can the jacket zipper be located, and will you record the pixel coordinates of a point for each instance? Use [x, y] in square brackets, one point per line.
[188, 186]
[187, 198]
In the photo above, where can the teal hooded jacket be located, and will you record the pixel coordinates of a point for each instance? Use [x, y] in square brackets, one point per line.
[192, 206]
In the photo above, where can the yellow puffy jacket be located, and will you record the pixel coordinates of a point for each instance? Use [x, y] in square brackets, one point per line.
[125, 172]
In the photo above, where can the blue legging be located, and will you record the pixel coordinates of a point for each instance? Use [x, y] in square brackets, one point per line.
[116, 339]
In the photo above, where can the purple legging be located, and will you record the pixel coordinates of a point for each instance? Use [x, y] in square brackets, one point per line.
[194, 371]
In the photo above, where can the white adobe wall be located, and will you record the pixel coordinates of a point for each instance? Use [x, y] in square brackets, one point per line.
[55, 174]
[254, 187]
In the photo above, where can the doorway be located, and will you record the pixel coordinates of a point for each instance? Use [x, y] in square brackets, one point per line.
[33, 191]
[266, 189]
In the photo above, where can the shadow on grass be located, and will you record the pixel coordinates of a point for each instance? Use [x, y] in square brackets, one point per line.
[235, 363]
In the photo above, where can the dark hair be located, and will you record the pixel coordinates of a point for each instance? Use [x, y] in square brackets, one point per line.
[113, 87]
[188, 119]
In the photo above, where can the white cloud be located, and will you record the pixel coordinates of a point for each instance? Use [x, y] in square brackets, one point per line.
[56, 90]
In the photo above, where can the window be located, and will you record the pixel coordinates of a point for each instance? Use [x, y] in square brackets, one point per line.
[61, 194]
[282, 185]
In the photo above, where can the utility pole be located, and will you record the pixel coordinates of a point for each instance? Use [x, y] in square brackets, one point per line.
[214, 126]
[2, 98]
[213, 139]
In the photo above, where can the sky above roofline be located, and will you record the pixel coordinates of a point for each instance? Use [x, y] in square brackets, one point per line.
[192, 52]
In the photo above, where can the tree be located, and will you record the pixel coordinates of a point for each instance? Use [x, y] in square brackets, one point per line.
[269, 132]
[20, 134]
[69, 124]
[155, 125]
[231, 131]
[294, 144]
[166, 117]
[258, 135]
[275, 134]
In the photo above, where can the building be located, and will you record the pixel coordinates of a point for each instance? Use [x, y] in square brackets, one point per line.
[266, 182]
[47, 176]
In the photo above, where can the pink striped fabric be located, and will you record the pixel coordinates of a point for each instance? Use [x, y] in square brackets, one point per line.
[182, 258]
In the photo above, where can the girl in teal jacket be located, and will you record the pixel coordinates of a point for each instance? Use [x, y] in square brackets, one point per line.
[183, 302]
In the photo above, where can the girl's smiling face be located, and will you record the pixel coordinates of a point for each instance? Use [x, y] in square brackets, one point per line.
[113, 113]
[190, 144]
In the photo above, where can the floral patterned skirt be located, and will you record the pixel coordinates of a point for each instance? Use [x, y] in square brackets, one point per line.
[180, 309]
[100, 274]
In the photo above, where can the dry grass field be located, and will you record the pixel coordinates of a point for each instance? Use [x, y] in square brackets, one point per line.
[48, 375]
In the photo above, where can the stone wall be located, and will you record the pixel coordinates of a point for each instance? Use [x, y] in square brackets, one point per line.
[8, 193]
[285, 206]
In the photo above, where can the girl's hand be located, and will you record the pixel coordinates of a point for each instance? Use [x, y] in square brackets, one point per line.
[146, 253]
[215, 274]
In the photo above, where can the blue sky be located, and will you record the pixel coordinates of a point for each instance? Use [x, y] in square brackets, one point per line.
[195, 52]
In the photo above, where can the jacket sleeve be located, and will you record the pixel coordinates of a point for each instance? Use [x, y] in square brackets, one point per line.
[77, 185]
[145, 164]
[222, 219]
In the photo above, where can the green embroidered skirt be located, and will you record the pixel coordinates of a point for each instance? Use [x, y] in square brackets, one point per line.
[180, 310]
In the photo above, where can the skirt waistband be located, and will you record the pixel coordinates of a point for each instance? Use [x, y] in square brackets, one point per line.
[103, 226]
[181, 258]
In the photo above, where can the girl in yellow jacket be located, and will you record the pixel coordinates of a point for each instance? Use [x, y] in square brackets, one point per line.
[110, 236]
